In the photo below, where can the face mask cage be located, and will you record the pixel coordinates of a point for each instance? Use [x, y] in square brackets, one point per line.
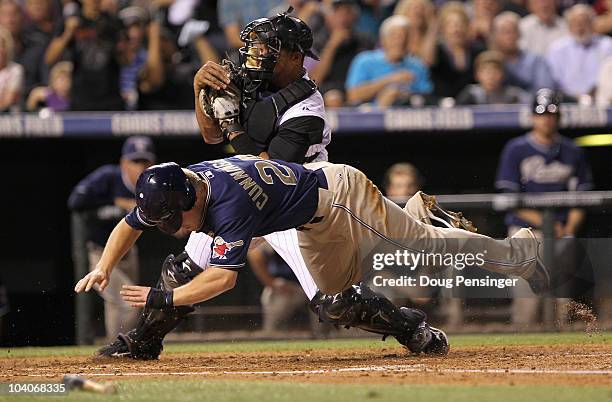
[260, 54]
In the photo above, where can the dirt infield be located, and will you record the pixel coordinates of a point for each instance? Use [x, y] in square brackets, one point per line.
[577, 365]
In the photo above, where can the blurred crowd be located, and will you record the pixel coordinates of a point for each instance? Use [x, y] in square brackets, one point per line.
[142, 55]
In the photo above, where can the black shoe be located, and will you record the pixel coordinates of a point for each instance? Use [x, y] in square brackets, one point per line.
[448, 218]
[116, 349]
[429, 340]
[127, 347]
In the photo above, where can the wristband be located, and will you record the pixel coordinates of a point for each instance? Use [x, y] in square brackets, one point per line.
[160, 299]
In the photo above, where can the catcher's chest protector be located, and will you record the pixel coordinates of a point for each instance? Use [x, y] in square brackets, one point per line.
[260, 117]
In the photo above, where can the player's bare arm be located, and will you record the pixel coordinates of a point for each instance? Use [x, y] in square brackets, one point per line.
[209, 284]
[119, 243]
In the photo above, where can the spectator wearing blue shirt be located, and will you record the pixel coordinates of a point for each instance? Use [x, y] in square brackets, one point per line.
[575, 60]
[389, 75]
[542, 161]
[523, 68]
[113, 185]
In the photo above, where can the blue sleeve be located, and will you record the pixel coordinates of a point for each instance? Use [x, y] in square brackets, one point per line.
[358, 72]
[93, 191]
[421, 83]
[231, 243]
[137, 221]
[583, 173]
[508, 172]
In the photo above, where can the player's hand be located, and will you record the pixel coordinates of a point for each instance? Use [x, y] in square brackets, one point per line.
[211, 75]
[96, 277]
[135, 296]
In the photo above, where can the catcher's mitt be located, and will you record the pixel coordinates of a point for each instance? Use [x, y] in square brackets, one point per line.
[223, 104]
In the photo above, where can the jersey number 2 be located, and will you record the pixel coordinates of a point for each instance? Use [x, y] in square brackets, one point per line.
[265, 168]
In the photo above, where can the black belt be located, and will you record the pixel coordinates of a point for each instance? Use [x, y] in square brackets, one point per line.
[321, 178]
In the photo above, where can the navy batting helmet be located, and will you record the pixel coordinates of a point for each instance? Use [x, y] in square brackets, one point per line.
[162, 193]
[546, 101]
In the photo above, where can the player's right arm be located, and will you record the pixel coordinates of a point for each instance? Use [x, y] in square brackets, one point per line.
[119, 243]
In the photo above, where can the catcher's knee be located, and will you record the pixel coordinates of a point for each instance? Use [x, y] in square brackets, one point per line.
[177, 271]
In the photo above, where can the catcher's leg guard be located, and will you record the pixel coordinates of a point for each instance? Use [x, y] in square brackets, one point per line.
[360, 307]
[145, 341]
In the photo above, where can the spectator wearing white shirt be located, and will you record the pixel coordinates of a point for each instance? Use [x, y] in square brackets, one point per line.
[11, 75]
[542, 27]
[575, 60]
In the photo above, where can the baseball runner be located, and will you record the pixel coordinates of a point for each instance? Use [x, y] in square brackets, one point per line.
[267, 106]
[339, 216]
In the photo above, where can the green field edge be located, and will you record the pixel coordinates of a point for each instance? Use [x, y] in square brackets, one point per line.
[239, 391]
[290, 345]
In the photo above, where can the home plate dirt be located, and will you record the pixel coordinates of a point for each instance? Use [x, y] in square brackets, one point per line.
[587, 365]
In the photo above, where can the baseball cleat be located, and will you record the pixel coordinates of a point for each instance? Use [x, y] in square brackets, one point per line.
[127, 348]
[425, 339]
[428, 340]
[448, 218]
[539, 281]
[116, 349]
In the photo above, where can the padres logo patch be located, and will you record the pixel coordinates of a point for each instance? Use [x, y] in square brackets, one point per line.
[221, 247]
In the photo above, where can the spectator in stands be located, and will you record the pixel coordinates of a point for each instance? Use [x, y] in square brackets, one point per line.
[523, 69]
[541, 161]
[11, 19]
[37, 35]
[451, 59]
[402, 180]
[235, 14]
[481, 21]
[390, 75]
[134, 55]
[575, 60]
[604, 84]
[113, 185]
[603, 21]
[422, 17]
[336, 53]
[542, 27]
[173, 89]
[89, 39]
[282, 296]
[11, 75]
[55, 97]
[490, 87]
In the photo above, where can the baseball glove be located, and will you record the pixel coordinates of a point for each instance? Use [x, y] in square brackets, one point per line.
[222, 104]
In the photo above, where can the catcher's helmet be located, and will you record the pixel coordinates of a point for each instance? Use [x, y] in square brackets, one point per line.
[162, 193]
[546, 101]
[265, 37]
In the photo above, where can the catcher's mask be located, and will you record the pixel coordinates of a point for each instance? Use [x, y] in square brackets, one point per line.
[264, 38]
[163, 192]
